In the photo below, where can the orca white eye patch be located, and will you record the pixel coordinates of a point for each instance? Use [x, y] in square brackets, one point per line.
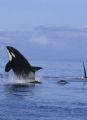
[10, 55]
[13, 54]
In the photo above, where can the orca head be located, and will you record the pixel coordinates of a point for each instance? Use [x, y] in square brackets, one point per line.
[11, 53]
[17, 61]
[11, 56]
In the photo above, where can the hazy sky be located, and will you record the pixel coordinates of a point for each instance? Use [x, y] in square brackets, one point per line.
[27, 14]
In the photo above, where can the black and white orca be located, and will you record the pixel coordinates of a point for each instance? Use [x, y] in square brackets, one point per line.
[20, 66]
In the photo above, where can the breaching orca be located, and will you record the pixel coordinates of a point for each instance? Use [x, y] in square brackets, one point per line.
[85, 75]
[20, 66]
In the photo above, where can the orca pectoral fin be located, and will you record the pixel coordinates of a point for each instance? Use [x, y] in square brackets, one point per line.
[8, 67]
[36, 68]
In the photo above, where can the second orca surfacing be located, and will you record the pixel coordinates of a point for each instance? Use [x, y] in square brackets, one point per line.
[85, 75]
[20, 66]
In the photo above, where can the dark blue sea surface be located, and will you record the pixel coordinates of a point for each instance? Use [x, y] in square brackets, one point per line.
[48, 100]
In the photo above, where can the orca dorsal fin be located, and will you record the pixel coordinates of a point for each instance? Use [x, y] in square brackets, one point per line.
[85, 76]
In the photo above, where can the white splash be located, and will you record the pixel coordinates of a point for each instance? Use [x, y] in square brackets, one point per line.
[19, 80]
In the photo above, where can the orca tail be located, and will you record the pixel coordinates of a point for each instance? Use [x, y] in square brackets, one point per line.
[36, 68]
[85, 76]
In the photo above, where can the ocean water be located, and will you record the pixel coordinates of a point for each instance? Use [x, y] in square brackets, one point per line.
[48, 100]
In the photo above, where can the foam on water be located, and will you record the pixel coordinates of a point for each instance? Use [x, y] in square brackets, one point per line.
[13, 79]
